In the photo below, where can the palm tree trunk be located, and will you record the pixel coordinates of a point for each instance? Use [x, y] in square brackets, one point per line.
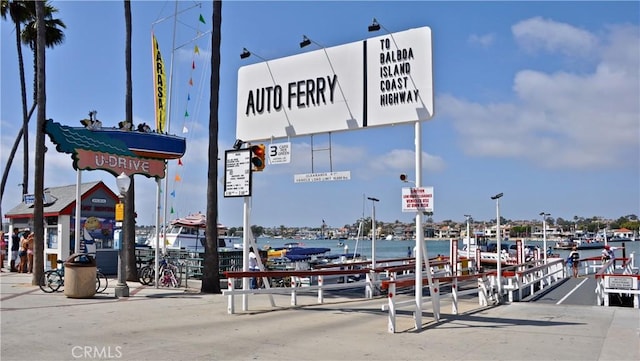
[129, 223]
[12, 154]
[211, 267]
[38, 212]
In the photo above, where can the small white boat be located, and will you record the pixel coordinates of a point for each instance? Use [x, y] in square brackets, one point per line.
[488, 254]
[189, 233]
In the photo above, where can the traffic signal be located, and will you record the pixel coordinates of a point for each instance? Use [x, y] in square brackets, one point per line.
[257, 157]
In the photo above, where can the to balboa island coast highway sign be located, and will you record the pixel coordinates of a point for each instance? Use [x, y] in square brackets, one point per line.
[380, 81]
[116, 150]
[383, 80]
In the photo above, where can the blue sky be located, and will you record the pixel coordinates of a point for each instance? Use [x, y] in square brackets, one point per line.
[538, 100]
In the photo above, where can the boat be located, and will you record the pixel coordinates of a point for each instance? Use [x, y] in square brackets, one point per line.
[189, 233]
[115, 141]
[488, 254]
[580, 243]
[620, 239]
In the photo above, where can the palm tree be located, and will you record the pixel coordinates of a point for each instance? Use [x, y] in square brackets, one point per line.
[129, 223]
[24, 12]
[210, 272]
[38, 211]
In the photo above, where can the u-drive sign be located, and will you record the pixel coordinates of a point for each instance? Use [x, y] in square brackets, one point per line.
[417, 199]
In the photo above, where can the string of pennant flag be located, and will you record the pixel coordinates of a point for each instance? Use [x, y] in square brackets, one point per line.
[177, 179]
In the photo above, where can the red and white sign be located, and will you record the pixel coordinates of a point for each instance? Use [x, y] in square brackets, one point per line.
[116, 164]
[417, 199]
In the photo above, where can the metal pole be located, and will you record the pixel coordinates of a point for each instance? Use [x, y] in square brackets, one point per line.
[499, 246]
[499, 238]
[121, 289]
[245, 251]
[419, 232]
[544, 236]
[373, 232]
[76, 247]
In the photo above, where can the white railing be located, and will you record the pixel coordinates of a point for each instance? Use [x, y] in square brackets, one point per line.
[610, 281]
[526, 282]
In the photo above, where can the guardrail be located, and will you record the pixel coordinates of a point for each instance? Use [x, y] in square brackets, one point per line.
[296, 284]
[484, 292]
[532, 277]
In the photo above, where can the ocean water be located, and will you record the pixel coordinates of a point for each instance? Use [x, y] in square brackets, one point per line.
[396, 249]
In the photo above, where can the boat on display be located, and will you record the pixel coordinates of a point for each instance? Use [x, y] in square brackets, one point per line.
[121, 141]
[189, 233]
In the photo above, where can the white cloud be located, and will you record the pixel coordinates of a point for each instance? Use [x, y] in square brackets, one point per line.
[538, 33]
[561, 119]
[484, 41]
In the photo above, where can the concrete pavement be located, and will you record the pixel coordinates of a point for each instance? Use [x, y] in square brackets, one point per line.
[174, 324]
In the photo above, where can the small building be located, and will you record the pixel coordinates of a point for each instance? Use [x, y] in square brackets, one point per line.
[97, 223]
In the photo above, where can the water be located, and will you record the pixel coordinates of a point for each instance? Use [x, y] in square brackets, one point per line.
[398, 249]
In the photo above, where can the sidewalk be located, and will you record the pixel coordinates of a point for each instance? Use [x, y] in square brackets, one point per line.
[174, 324]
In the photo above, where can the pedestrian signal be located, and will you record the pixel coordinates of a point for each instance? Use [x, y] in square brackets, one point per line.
[258, 157]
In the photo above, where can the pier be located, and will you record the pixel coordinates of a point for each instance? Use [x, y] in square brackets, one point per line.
[172, 324]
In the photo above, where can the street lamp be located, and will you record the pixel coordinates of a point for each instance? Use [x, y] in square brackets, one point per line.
[468, 217]
[499, 247]
[544, 234]
[122, 289]
[373, 232]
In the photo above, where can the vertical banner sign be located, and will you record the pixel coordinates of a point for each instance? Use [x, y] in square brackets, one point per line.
[160, 87]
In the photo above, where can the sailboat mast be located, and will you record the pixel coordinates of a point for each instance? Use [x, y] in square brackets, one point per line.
[166, 178]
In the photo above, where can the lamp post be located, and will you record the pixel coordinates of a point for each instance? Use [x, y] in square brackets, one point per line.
[468, 217]
[499, 247]
[122, 289]
[544, 234]
[373, 231]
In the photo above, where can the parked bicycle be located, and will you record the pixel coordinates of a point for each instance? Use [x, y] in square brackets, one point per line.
[53, 279]
[170, 273]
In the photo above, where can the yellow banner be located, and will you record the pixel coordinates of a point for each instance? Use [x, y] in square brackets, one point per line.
[160, 86]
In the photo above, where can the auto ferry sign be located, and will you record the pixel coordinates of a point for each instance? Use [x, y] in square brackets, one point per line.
[380, 81]
[417, 199]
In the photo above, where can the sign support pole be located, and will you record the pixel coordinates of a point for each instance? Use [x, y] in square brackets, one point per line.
[78, 210]
[420, 245]
[245, 251]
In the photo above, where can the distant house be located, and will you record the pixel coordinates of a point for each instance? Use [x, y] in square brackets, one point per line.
[97, 222]
[623, 233]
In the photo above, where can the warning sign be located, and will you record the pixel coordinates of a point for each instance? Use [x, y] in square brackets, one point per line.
[417, 199]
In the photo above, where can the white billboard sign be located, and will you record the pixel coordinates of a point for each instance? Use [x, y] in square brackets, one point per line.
[379, 81]
[417, 199]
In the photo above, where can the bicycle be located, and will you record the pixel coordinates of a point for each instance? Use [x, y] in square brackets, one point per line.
[170, 273]
[53, 279]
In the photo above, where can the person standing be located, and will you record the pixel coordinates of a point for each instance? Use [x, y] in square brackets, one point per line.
[607, 254]
[575, 260]
[30, 252]
[22, 253]
[15, 248]
[3, 250]
[253, 266]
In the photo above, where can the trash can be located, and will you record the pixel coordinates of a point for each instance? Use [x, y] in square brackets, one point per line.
[80, 276]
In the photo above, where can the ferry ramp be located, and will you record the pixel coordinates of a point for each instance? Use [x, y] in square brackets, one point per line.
[572, 291]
